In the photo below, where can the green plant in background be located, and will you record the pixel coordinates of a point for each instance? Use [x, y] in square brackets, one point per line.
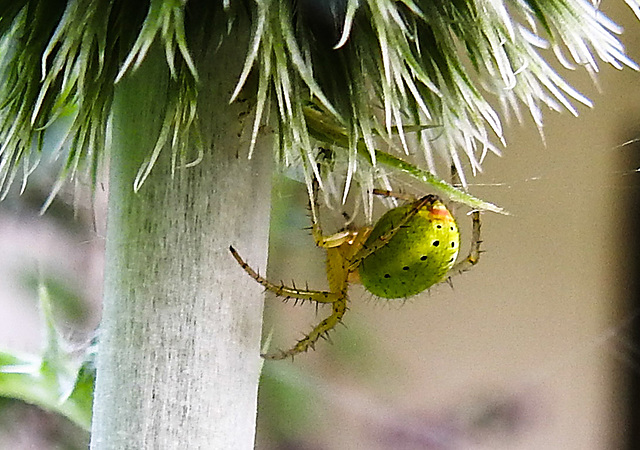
[58, 380]
[165, 86]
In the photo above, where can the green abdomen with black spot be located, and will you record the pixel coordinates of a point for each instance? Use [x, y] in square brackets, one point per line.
[418, 256]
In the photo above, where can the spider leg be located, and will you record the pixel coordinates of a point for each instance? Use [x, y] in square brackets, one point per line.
[330, 241]
[474, 252]
[338, 300]
[285, 291]
[391, 194]
[321, 330]
[456, 181]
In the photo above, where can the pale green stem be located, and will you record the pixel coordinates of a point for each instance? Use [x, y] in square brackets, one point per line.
[178, 361]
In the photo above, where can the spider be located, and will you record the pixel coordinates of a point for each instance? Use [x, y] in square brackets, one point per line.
[411, 248]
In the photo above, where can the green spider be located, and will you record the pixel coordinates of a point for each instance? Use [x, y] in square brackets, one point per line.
[411, 248]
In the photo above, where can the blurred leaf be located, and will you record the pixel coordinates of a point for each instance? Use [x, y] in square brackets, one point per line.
[54, 381]
[287, 400]
[35, 382]
[67, 303]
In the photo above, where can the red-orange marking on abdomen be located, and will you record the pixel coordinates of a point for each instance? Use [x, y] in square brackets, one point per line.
[440, 211]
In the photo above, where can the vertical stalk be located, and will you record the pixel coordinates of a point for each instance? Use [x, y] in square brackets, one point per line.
[178, 361]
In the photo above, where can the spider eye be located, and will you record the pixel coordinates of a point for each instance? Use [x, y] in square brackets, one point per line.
[435, 243]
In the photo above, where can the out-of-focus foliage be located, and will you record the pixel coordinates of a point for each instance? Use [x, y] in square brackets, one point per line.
[58, 380]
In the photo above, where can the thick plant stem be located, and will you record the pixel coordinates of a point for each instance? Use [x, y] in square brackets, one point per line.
[178, 361]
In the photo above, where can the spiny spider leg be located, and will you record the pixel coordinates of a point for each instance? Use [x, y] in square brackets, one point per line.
[398, 195]
[474, 252]
[455, 177]
[322, 241]
[284, 291]
[321, 330]
[337, 299]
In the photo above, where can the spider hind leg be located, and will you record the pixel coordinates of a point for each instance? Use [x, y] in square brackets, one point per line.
[338, 300]
[320, 331]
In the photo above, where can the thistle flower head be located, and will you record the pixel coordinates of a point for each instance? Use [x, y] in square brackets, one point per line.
[384, 85]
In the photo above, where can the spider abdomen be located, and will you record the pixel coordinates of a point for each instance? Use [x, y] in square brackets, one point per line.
[418, 256]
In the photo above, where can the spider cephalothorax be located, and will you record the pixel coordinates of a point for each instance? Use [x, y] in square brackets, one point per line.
[411, 248]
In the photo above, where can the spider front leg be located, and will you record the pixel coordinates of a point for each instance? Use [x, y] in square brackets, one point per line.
[282, 290]
[474, 252]
[321, 240]
[338, 299]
